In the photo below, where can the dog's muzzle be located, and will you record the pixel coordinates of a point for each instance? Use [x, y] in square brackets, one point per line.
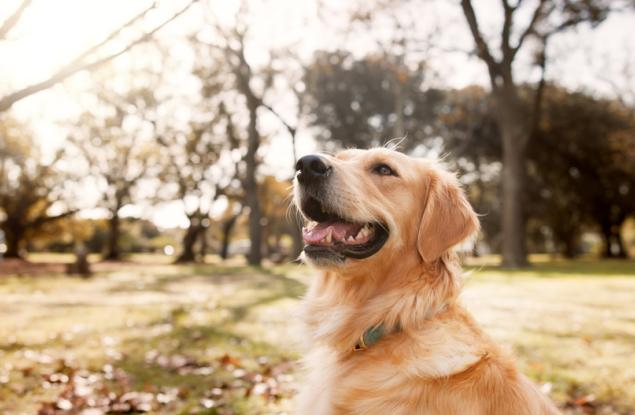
[331, 236]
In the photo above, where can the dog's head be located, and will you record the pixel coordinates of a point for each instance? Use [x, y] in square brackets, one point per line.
[378, 205]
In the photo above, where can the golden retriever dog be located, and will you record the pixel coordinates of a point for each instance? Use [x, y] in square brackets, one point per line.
[387, 333]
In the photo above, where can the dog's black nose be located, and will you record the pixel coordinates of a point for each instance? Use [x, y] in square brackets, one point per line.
[312, 168]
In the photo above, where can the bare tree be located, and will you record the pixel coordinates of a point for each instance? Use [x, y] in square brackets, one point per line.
[241, 76]
[244, 75]
[89, 59]
[548, 18]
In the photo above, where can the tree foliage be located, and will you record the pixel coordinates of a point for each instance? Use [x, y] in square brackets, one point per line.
[117, 144]
[30, 187]
[581, 168]
[360, 102]
[580, 175]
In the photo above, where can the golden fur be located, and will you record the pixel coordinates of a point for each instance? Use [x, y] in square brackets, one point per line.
[439, 362]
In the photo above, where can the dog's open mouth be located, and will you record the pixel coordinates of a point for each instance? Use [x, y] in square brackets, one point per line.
[329, 234]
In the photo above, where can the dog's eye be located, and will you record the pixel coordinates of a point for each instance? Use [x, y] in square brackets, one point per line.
[384, 170]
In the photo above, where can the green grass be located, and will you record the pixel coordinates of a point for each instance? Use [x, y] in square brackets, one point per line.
[222, 339]
[572, 324]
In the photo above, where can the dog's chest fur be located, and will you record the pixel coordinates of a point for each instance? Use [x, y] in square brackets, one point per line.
[445, 367]
[394, 376]
[368, 384]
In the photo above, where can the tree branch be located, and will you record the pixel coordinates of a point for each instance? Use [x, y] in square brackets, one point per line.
[7, 101]
[78, 59]
[508, 23]
[12, 20]
[531, 27]
[45, 219]
[482, 50]
[540, 90]
[292, 130]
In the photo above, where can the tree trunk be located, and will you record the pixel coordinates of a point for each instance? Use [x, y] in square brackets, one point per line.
[227, 228]
[619, 242]
[189, 240]
[399, 129]
[565, 238]
[514, 137]
[265, 246]
[13, 237]
[607, 234]
[251, 187]
[570, 247]
[113, 253]
[202, 235]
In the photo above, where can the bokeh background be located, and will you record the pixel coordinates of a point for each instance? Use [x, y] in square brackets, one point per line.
[147, 150]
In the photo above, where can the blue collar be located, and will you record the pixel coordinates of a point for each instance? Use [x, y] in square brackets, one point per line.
[370, 337]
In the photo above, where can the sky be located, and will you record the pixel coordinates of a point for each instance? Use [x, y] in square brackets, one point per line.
[52, 32]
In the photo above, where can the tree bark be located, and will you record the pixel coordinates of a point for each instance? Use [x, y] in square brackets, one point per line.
[202, 236]
[113, 253]
[13, 238]
[251, 186]
[570, 247]
[398, 129]
[227, 228]
[514, 137]
[607, 234]
[566, 237]
[619, 242]
[613, 238]
[189, 240]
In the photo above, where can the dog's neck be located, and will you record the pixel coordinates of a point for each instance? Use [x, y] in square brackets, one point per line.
[405, 294]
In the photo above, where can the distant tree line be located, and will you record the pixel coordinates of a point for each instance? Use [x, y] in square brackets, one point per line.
[580, 167]
[542, 164]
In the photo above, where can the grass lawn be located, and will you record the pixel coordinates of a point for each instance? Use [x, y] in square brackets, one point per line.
[146, 336]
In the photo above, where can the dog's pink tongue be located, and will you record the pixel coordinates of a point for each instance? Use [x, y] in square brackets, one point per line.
[339, 232]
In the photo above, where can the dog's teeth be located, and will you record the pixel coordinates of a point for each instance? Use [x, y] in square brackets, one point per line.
[350, 239]
[329, 237]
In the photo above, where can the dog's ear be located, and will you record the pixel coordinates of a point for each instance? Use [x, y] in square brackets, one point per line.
[448, 218]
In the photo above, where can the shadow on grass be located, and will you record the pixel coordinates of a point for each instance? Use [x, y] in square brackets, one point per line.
[217, 275]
